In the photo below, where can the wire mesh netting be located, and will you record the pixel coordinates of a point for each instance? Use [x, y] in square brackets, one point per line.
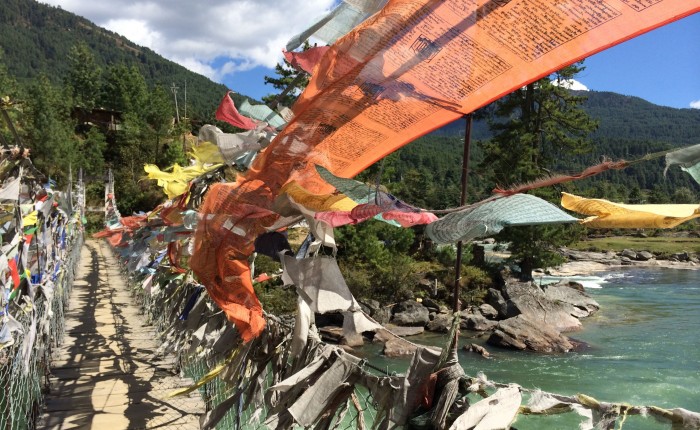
[24, 365]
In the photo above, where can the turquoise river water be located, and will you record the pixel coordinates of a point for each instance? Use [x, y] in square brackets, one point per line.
[643, 349]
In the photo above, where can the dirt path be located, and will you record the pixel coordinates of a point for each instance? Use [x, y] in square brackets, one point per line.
[105, 375]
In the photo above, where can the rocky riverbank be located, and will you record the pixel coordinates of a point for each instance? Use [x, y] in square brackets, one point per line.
[516, 315]
[587, 263]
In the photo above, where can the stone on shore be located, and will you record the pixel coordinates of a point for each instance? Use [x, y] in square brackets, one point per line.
[410, 313]
[478, 349]
[476, 322]
[398, 347]
[573, 296]
[524, 334]
[525, 298]
[441, 323]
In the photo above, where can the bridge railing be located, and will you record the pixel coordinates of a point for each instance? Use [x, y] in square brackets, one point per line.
[41, 245]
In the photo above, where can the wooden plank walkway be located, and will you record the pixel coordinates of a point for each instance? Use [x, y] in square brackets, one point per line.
[105, 375]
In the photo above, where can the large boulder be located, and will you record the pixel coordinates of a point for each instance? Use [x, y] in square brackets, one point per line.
[441, 323]
[629, 254]
[583, 303]
[398, 347]
[476, 322]
[525, 298]
[488, 311]
[410, 313]
[496, 300]
[644, 256]
[522, 333]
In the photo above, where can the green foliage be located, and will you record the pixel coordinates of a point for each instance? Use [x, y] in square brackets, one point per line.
[373, 258]
[37, 38]
[49, 129]
[287, 76]
[84, 76]
[125, 90]
[92, 153]
[533, 127]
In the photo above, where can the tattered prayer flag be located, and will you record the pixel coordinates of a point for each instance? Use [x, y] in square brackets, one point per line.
[493, 216]
[12, 264]
[689, 160]
[417, 65]
[306, 60]
[606, 214]
[30, 219]
[262, 113]
[338, 22]
[10, 189]
[227, 112]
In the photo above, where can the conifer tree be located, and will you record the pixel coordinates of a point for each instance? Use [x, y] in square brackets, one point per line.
[533, 127]
[287, 75]
[84, 76]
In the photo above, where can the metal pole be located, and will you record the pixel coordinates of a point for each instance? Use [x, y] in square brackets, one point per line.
[462, 202]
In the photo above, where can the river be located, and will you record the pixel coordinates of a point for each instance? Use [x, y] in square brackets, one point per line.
[643, 349]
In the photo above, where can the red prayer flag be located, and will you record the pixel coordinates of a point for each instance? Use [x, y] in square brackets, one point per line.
[15, 274]
[227, 112]
[306, 60]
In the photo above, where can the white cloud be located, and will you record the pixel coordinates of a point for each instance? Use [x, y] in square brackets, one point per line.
[695, 104]
[571, 84]
[198, 35]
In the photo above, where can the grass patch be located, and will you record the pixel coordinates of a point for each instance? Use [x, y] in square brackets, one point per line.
[657, 245]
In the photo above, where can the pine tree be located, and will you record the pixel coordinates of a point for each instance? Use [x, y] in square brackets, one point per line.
[533, 127]
[288, 75]
[84, 77]
[50, 129]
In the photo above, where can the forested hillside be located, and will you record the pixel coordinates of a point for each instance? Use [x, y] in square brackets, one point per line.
[36, 39]
[628, 128]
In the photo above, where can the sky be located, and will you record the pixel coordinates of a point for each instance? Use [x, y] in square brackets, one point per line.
[238, 42]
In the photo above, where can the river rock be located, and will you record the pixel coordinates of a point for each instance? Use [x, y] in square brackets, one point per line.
[644, 256]
[441, 323]
[574, 297]
[524, 334]
[497, 301]
[431, 304]
[398, 347]
[410, 313]
[478, 349]
[629, 254]
[681, 256]
[392, 331]
[529, 300]
[476, 322]
[488, 311]
[370, 306]
[335, 335]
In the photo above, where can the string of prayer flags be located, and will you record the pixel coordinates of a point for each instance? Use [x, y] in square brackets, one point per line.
[606, 214]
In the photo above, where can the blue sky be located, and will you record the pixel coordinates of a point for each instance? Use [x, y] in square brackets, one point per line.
[661, 66]
[238, 42]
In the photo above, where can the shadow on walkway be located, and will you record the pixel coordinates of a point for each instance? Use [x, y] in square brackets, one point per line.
[106, 375]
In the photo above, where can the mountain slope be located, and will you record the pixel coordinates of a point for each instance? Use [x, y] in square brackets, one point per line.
[36, 38]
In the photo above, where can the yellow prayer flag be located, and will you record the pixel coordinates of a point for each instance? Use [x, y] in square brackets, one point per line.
[606, 214]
